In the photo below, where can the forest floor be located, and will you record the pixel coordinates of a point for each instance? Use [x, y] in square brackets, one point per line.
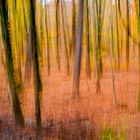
[92, 117]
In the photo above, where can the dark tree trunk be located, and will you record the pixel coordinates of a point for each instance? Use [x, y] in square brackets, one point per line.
[57, 35]
[36, 74]
[18, 116]
[88, 66]
[78, 50]
[73, 28]
[127, 34]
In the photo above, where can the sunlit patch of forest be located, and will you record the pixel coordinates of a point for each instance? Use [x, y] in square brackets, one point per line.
[69, 69]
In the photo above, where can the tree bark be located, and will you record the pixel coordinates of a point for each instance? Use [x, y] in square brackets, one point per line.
[36, 74]
[17, 112]
[78, 50]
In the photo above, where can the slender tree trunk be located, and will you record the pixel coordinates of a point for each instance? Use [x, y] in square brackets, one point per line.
[36, 74]
[88, 65]
[113, 75]
[99, 19]
[48, 41]
[78, 49]
[57, 35]
[100, 37]
[66, 21]
[127, 34]
[117, 34]
[95, 14]
[19, 56]
[65, 41]
[110, 47]
[18, 116]
[137, 7]
[41, 33]
[73, 28]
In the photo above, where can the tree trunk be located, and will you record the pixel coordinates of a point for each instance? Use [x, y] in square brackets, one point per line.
[65, 41]
[57, 35]
[48, 41]
[18, 116]
[36, 74]
[117, 34]
[137, 7]
[127, 34]
[88, 65]
[78, 50]
[73, 29]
